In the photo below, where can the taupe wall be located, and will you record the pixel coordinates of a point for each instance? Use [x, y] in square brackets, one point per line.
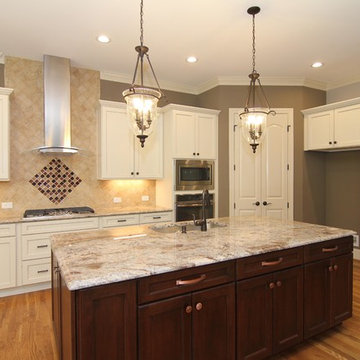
[111, 90]
[309, 189]
[2, 82]
[343, 93]
[343, 190]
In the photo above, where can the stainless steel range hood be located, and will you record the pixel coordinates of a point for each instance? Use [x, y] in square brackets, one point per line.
[57, 116]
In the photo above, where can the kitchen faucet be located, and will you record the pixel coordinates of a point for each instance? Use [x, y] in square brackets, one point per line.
[205, 203]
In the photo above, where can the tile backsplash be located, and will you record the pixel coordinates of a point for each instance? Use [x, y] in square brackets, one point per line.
[26, 128]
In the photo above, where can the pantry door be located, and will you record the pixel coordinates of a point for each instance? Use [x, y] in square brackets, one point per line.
[262, 183]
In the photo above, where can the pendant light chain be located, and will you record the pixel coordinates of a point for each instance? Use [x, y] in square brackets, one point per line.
[253, 44]
[142, 23]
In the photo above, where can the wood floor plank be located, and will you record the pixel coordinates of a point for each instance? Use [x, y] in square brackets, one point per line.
[26, 331]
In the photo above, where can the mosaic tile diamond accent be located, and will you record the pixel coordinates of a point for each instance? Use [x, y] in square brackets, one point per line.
[55, 180]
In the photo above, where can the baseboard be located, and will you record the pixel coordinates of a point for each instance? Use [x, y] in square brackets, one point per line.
[25, 289]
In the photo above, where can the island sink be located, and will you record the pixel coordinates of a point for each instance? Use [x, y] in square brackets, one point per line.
[179, 227]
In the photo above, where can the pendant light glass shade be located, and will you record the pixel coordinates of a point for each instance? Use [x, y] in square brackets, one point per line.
[141, 100]
[253, 118]
[142, 110]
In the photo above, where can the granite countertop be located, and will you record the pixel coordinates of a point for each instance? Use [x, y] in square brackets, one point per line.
[105, 256]
[98, 212]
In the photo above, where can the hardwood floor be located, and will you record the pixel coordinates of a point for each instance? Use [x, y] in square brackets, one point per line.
[26, 331]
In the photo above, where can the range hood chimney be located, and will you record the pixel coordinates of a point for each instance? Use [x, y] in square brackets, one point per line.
[57, 117]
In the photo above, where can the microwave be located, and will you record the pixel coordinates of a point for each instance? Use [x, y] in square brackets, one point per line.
[194, 175]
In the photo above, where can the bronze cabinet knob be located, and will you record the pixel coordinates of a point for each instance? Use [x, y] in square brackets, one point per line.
[331, 268]
[188, 309]
[278, 283]
[271, 285]
[199, 306]
[335, 267]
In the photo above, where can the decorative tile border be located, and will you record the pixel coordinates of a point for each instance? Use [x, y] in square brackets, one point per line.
[55, 180]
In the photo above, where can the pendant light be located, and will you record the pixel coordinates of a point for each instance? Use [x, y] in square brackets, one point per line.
[253, 118]
[141, 100]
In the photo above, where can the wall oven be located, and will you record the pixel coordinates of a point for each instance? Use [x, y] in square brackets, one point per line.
[194, 175]
[188, 205]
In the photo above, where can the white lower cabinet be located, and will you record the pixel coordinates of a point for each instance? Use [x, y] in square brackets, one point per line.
[36, 271]
[7, 257]
[155, 217]
[119, 220]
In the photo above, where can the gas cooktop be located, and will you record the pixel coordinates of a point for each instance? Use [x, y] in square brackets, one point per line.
[40, 213]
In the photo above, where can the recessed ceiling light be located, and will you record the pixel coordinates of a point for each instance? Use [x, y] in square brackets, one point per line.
[103, 39]
[317, 64]
[191, 59]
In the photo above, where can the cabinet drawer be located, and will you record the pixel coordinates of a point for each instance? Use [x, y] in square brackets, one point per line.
[183, 281]
[52, 226]
[36, 246]
[7, 230]
[36, 271]
[119, 220]
[269, 262]
[155, 217]
[329, 248]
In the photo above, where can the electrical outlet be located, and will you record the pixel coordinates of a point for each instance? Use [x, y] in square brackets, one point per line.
[356, 241]
[145, 198]
[6, 205]
[117, 200]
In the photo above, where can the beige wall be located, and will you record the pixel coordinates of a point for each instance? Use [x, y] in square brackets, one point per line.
[309, 190]
[343, 93]
[25, 77]
[2, 82]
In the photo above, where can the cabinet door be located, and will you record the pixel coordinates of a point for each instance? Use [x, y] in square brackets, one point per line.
[7, 262]
[165, 330]
[184, 135]
[287, 309]
[107, 322]
[317, 281]
[206, 129]
[149, 159]
[116, 144]
[342, 288]
[319, 130]
[4, 138]
[347, 126]
[214, 323]
[254, 318]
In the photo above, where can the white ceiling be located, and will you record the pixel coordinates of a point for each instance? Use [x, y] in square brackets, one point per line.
[291, 35]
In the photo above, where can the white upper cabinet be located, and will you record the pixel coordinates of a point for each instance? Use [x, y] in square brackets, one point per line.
[193, 131]
[4, 134]
[333, 127]
[120, 153]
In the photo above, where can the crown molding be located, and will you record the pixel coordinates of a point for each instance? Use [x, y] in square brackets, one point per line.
[5, 91]
[168, 85]
[336, 85]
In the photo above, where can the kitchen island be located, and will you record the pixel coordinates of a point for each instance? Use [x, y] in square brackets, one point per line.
[247, 288]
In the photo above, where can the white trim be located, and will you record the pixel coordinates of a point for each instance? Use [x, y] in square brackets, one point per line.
[168, 85]
[290, 178]
[25, 289]
[331, 106]
[339, 84]
[5, 91]
[190, 108]
[116, 104]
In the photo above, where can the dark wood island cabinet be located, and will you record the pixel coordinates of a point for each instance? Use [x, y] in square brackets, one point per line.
[247, 308]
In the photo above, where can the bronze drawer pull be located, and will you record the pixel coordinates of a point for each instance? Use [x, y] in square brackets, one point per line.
[42, 271]
[42, 246]
[191, 281]
[272, 263]
[156, 217]
[325, 250]
[121, 220]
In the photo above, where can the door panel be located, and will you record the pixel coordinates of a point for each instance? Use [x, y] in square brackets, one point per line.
[319, 130]
[214, 323]
[247, 176]
[274, 167]
[184, 134]
[165, 330]
[288, 309]
[254, 318]
[347, 126]
[206, 130]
